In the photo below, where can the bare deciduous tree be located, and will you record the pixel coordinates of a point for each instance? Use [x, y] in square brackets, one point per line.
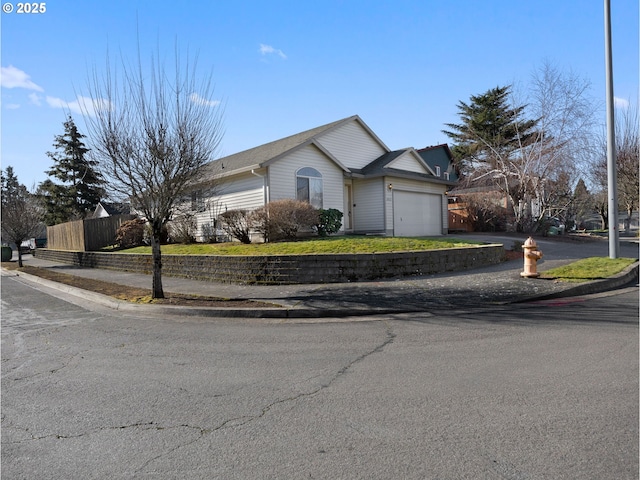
[151, 131]
[628, 151]
[565, 139]
[627, 137]
[22, 212]
[545, 133]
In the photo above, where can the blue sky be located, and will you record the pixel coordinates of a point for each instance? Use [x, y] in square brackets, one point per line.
[282, 67]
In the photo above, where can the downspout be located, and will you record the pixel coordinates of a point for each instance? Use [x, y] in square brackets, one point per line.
[265, 187]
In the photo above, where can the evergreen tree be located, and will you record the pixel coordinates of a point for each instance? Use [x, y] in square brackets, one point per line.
[490, 130]
[529, 151]
[80, 185]
[11, 188]
[582, 205]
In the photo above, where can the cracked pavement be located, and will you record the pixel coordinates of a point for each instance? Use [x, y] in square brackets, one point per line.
[83, 385]
[93, 393]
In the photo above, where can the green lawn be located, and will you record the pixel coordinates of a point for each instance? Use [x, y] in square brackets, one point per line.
[592, 268]
[342, 244]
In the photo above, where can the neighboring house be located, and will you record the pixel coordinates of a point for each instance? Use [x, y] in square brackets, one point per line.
[341, 165]
[106, 209]
[440, 160]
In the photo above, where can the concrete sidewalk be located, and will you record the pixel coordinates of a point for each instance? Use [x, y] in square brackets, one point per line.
[495, 285]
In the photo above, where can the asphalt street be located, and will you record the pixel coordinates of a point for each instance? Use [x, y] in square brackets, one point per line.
[489, 285]
[539, 390]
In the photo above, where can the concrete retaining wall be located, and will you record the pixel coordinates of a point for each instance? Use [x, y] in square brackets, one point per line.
[289, 269]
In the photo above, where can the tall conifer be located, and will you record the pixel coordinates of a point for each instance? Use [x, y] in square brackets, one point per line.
[489, 128]
[80, 185]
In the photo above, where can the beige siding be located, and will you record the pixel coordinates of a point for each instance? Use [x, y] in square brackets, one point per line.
[368, 196]
[245, 191]
[408, 162]
[282, 176]
[352, 145]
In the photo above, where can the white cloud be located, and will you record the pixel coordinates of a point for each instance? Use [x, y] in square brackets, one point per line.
[197, 99]
[12, 77]
[620, 102]
[35, 99]
[12, 106]
[81, 105]
[269, 50]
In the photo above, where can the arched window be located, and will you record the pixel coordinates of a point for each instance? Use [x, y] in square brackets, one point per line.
[309, 186]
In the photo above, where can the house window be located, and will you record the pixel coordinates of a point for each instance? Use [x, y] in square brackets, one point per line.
[197, 201]
[309, 186]
[437, 170]
[446, 175]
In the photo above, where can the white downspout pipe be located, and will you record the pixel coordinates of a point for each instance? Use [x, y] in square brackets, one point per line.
[265, 187]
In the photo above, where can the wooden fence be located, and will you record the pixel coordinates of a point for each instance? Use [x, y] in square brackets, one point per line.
[85, 235]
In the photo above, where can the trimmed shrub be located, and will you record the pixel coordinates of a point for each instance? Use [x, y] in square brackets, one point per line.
[130, 233]
[236, 224]
[283, 219]
[329, 221]
[182, 229]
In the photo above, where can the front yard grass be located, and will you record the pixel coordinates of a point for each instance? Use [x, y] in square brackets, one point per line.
[593, 268]
[342, 244]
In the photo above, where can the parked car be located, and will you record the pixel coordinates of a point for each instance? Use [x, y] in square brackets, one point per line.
[29, 246]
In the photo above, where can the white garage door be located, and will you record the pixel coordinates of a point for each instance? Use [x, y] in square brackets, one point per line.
[416, 214]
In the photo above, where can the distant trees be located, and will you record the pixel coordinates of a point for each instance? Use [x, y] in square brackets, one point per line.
[489, 141]
[21, 211]
[627, 138]
[152, 134]
[79, 185]
[582, 204]
[527, 150]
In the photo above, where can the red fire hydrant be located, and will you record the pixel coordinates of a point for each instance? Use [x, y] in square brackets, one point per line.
[531, 257]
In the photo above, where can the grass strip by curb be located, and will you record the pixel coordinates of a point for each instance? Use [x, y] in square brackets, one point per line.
[587, 269]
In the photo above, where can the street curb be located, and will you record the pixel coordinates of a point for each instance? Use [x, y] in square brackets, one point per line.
[623, 278]
[284, 312]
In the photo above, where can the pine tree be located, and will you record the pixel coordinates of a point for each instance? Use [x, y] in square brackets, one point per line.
[582, 203]
[490, 129]
[80, 185]
[11, 188]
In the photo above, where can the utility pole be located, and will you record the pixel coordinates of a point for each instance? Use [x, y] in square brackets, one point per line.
[614, 246]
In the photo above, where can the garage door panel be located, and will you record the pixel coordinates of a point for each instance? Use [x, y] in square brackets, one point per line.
[416, 214]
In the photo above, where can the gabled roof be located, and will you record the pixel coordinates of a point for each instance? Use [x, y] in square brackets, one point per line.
[442, 146]
[432, 154]
[258, 157]
[113, 208]
[378, 165]
[381, 166]
[263, 155]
